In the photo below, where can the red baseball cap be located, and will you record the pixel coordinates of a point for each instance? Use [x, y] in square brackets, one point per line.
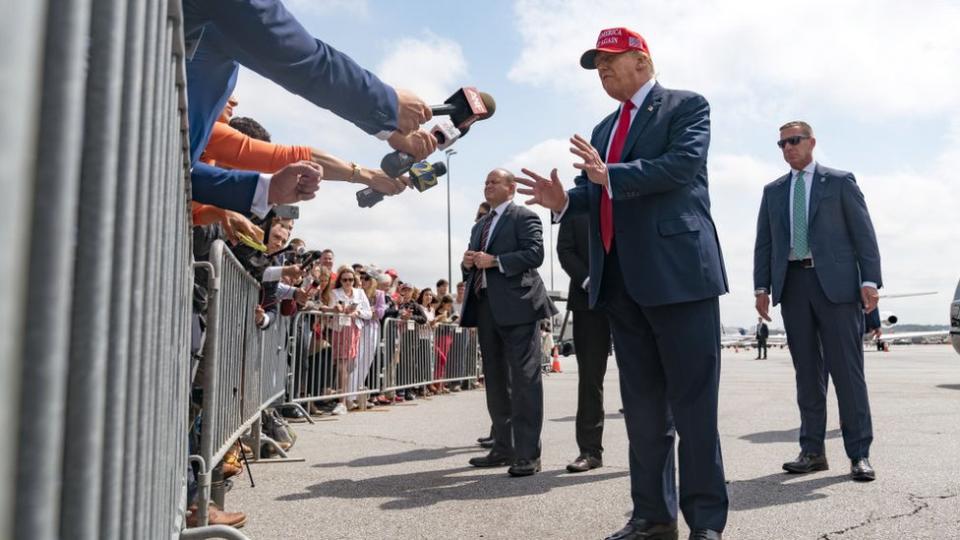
[391, 272]
[614, 40]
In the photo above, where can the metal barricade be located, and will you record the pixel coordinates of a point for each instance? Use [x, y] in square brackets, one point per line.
[418, 355]
[455, 349]
[95, 314]
[335, 356]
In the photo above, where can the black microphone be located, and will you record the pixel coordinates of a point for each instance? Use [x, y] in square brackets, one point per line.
[424, 176]
[466, 106]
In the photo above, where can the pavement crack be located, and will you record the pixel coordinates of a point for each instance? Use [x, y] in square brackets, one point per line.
[919, 503]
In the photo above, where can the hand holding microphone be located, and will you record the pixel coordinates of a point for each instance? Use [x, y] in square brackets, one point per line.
[412, 112]
[464, 107]
[423, 176]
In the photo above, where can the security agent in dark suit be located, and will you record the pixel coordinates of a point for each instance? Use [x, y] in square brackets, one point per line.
[763, 332]
[505, 301]
[657, 270]
[816, 252]
[265, 37]
[591, 340]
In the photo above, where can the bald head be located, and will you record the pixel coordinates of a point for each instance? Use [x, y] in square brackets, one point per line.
[500, 187]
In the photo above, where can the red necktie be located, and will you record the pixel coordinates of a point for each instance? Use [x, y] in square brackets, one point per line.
[616, 148]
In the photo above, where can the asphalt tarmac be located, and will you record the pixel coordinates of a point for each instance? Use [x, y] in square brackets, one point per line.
[401, 471]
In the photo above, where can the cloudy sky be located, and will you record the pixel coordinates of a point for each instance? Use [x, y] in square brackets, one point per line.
[877, 79]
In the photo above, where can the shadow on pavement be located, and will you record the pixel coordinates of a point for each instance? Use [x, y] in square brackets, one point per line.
[419, 454]
[779, 489]
[426, 488]
[608, 416]
[782, 436]
[949, 386]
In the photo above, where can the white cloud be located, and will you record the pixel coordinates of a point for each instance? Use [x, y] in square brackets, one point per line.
[869, 56]
[431, 67]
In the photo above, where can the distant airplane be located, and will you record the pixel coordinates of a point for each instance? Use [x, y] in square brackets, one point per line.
[877, 321]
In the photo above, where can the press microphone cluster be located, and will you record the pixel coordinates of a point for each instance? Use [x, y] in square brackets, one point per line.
[464, 107]
[423, 176]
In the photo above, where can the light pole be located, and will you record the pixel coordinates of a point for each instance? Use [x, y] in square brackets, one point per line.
[449, 152]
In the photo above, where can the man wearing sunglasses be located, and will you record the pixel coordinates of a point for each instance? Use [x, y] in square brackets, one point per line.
[816, 254]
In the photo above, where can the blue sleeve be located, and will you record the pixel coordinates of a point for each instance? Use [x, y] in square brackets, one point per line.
[263, 36]
[679, 165]
[861, 231]
[232, 190]
[762, 248]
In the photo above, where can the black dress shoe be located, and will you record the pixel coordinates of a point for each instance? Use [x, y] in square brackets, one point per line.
[485, 442]
[524, 467]
[807, 463]
[861, 471]
[641, 529]
[704, 534]
[584, 463]
[491, 460]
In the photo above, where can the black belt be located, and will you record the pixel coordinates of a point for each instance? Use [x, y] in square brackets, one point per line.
[804, 263]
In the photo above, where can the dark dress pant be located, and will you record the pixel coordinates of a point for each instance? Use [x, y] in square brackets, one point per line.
[826, 338]
[591, 340]
[514, 388]
[669, 362]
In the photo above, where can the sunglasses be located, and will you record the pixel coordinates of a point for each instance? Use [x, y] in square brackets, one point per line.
[347, 280]
[792, 141]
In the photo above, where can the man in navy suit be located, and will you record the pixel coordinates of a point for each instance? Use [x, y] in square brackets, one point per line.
[263, 36]
[505, 301]
[657, 271]
[816, 252]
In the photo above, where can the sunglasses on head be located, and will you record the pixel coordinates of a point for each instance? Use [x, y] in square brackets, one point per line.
[792, 141]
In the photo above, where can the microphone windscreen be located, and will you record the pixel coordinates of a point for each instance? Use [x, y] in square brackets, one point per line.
[489, 103]
[439, 169]
[396, 164]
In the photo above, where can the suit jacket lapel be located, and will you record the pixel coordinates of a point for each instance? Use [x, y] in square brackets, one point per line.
[782, 195]
[646, 112]
[500, 223]
[817, 189]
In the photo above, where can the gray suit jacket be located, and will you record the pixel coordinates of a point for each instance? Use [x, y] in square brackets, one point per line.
[841, 237]
[517, 295]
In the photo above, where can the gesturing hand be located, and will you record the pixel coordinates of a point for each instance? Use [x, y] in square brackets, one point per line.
[296, 182]
[468, 259]
[593, 166]
[547, 192]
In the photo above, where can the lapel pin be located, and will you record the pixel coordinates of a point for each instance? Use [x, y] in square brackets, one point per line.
[649, 108]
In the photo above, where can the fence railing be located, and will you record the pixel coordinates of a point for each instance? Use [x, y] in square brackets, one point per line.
[339, 356]
[95, 313]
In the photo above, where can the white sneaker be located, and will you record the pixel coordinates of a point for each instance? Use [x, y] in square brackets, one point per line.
[339, 410]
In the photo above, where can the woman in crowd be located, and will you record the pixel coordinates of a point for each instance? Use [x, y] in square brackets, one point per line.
[401, 351]
[351, 308]
[370, 333]
[317, 366]
[425, 349]
[443, 339]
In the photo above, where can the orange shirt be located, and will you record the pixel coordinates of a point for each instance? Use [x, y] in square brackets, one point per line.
[232, 149]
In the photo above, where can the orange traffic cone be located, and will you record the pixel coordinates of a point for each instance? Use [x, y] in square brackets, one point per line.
[556, 361]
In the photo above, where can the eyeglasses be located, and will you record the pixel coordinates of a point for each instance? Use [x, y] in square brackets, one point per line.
[792, 141]
[347, 280]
